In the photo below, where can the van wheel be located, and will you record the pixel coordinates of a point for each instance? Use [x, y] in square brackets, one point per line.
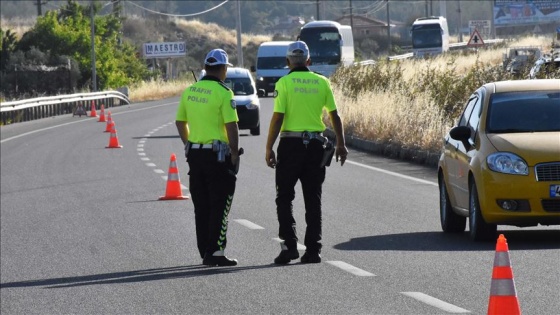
[479, 230]
[450, 221]
[256, 131]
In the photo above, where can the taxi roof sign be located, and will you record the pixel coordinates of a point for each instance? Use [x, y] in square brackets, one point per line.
[476, 39]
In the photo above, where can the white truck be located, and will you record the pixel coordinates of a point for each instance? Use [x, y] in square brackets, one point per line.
[271, 65]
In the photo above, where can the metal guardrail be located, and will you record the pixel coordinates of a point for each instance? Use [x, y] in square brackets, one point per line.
[454, 46]
[41, 107]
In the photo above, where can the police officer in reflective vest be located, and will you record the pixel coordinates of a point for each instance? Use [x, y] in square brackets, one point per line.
[299, 100]
[206, 120]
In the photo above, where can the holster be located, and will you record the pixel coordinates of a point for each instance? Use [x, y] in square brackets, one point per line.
[328, 154]
[187, 148]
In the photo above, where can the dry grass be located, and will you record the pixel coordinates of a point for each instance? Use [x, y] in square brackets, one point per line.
[18, 26]
[391, 116]
[157, 89]
[214, 33]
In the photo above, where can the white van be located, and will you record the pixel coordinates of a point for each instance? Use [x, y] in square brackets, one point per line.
[271, 65]
[241, 82]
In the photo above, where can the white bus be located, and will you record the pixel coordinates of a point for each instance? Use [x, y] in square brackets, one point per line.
[430, 36]
[330, 45]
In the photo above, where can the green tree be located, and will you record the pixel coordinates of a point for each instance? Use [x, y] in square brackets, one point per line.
[7, 47]
[68, 32]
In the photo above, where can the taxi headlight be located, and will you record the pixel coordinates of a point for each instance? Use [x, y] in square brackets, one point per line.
[507, 163]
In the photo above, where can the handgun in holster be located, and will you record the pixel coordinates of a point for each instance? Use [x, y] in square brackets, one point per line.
[222, 149]
[328, 153]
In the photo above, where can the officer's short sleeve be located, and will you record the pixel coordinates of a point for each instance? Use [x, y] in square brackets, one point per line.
[280, 96]
[229, 112]
[330, 104]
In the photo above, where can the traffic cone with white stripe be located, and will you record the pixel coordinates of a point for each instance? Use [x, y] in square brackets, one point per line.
[503, 296]
[102, 114]
[109, 122]
[173, 190]
[93, 111]
[113, 139]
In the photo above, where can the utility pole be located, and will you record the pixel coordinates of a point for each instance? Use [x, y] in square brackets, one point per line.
[239, 46]
[388, 30]
[351, 18]
[318, 13]
[39, 3]
[460, 23]
[93, 71]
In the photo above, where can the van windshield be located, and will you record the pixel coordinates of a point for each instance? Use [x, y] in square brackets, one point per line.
[271, 62]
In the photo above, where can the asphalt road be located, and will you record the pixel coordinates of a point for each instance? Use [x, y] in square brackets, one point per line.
[82, 232]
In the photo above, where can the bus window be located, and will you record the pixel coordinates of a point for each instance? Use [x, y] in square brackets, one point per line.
[324, 44]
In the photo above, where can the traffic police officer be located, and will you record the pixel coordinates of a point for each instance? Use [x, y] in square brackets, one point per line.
[206, 120]
[299, 99]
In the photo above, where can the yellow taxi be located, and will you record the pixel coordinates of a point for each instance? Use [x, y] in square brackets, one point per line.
[500, 164]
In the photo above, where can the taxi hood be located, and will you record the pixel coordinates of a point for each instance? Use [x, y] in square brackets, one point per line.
[534, 148]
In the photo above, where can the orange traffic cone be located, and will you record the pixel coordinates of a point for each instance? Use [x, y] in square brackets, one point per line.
[173, 190]
[113, 139]
[102, 114]
[93, 111]
[503, 296]
[109, 122]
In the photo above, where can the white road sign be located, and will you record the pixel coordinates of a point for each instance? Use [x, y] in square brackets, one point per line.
[165, 50]
[482, 26]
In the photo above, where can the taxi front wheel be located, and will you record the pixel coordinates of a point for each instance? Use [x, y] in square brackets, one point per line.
[479, 230]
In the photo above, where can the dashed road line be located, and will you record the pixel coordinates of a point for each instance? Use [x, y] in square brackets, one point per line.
[142, 154]
[299, 246]
[424, 298]
[248, 224]
[351, 269]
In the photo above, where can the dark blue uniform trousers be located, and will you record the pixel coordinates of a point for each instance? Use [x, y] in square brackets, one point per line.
[212, 185]
[296, 161]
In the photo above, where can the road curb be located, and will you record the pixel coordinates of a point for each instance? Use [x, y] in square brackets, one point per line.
[393, 151]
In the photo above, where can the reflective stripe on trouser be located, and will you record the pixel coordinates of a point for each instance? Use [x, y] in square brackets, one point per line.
[299, 162]
[212, 186]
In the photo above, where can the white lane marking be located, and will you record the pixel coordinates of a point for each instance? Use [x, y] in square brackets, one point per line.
[299, 246]
[351, 269]
[393, 173]
[139, 149]
[145, 159]
[150, 164]
[248, 224]
[165, 178]
[142, 153]
[140, 145]
[157, 170]
[424, 298]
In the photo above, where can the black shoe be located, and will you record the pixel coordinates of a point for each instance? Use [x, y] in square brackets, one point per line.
[210, 260]
[310, 258]
[286, 255]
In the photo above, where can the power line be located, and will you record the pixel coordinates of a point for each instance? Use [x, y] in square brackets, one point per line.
[178, 15]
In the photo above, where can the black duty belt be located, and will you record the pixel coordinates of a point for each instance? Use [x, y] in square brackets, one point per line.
[305, 135]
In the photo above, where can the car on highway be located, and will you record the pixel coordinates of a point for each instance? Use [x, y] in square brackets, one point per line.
[248, 105]
[500, 165]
